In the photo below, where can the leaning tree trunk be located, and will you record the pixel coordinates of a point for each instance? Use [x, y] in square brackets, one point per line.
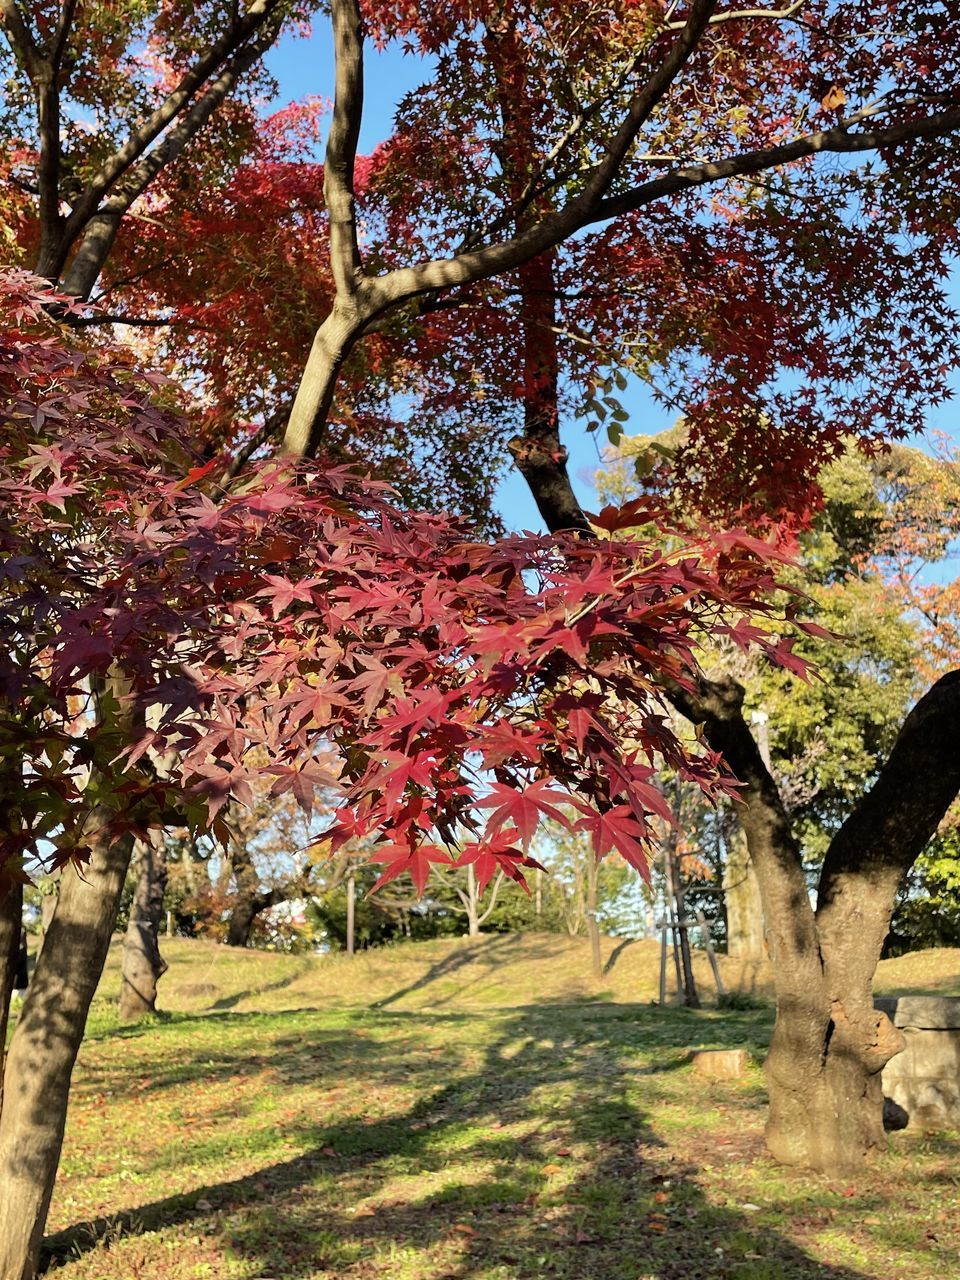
[11, 911]
[143, 965]
[43, 1050]
[248, 900]
[829, 1043]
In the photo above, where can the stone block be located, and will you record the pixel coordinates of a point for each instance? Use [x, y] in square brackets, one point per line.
[930, 1013]
[721, 1064]
[921, 1085]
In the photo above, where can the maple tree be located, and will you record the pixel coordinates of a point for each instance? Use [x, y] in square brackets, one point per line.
[826, 1111]
[590, 186]
[166, 640]
[508, 251]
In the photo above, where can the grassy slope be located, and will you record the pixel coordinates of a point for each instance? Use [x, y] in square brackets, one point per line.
[440, 1137]
[493, 971]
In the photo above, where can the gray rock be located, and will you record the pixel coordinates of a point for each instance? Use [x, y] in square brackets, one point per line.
[932, 1013]
[921, 1084]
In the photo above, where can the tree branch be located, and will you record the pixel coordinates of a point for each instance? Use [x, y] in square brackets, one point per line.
[893, 822]
[20, 39]
[342, 141]
[739, 15]
[62, 33]
[364, 302]
[838, 141]
[150, 129]
[260, 437]
[101, 230]
[493, 899]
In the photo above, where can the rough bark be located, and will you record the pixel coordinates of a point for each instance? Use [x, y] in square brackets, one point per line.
[143, 965]
[43, 1050]
[249, 899]
[11, 912]
[743, 905]
[829, 1043]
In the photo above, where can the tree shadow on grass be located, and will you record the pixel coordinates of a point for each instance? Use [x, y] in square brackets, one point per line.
[541, 1159]
[489, 948]
[616, 953]
[231, 1002]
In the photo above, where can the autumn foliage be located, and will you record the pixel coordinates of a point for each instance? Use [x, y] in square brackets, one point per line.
[165, 639]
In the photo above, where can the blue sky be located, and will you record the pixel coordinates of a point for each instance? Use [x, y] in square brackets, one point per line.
[306, 66]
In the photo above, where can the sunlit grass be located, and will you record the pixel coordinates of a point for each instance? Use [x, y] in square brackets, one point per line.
[569, 1141]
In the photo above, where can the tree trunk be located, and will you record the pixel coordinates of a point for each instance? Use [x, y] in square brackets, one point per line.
[48, 907]
[43, 1050]
[249, 901]
[829, 1044]
[744, 908]
[351, 913]
[242, 917]
[143, 965]
[11, 913]
[472, 903]
[593, 929]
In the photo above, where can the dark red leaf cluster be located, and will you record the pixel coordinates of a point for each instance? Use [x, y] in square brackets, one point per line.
[163, 639]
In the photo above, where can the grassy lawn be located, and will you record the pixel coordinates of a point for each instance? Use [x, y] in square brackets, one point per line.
[561, 1139]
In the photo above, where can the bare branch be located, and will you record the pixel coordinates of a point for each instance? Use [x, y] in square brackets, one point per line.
[141, 322]
[837, 140]
[739, 15]
[493, 899]
[269, 429]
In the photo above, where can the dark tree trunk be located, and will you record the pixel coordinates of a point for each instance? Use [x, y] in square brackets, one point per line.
[242, 917]
[11, 912]
[687, 988]
[143, 966]
[829, 1044]
[43, 1050]
[249, 900]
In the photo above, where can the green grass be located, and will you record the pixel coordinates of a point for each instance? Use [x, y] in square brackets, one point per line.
[555, 1139]
[495, 971]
